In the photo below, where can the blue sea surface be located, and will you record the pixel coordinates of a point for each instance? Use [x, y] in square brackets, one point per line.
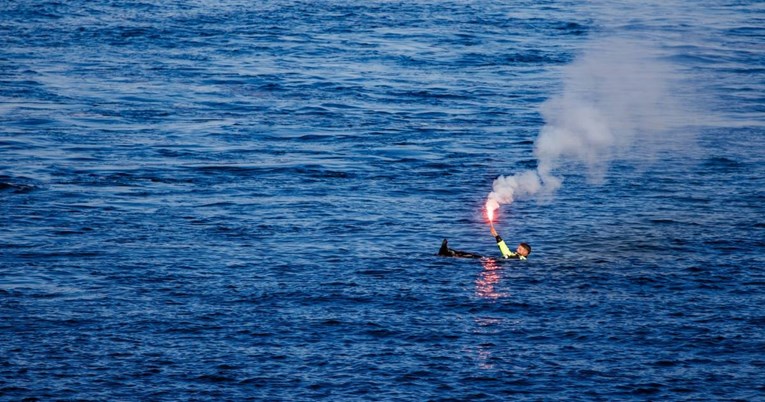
[242, 200]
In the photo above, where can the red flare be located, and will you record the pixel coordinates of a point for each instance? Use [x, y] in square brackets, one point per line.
[491, 206]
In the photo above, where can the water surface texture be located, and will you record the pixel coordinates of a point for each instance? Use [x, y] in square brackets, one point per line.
[242, 200]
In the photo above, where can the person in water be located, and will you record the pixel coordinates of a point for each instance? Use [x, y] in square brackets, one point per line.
[523, 250]
[445, 251]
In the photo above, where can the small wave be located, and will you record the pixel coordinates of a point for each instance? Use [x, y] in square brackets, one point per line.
[60, 254]
[215, 378]
[721, 161]
[16, 188]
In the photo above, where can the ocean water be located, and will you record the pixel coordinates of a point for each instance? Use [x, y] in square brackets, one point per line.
[243, 200]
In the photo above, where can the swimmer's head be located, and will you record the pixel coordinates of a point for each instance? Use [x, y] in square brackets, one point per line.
[524, 249]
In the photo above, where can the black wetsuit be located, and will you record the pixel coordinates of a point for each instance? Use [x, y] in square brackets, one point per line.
[445, 251]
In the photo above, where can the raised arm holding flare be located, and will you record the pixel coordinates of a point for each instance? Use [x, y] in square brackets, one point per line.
[523, 250]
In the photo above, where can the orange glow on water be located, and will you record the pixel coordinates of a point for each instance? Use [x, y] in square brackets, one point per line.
[489, 278]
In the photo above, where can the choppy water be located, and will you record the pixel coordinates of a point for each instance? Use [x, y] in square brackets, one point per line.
[242, 200]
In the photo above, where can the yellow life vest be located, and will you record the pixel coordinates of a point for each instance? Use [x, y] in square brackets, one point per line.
[506, 251]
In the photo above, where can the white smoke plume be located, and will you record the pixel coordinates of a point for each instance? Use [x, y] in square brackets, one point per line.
[617, 103]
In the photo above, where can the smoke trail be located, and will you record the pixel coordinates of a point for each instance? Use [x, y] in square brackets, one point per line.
[617, 103]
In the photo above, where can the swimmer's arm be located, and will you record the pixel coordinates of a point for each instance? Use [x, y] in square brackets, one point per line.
[503, 248]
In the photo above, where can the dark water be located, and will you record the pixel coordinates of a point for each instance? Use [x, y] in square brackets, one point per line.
[242, 200]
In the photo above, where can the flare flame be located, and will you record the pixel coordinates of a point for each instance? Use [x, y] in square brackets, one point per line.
[491, 207]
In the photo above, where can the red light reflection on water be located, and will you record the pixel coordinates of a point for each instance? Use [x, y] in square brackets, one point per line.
[485, 288]
[490, 276]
